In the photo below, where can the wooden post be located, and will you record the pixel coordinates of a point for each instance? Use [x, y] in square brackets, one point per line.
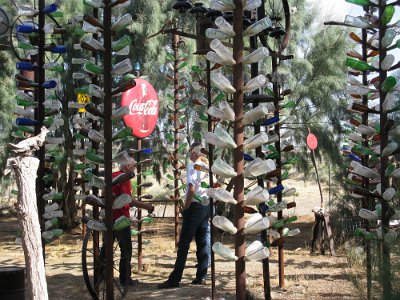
[238, 192]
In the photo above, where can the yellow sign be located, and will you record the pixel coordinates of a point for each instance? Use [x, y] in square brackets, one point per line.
[83, 99]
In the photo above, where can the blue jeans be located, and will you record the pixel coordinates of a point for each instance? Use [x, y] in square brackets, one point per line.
[195, 224]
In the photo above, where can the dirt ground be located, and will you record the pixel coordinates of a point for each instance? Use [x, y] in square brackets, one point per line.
[306, 277]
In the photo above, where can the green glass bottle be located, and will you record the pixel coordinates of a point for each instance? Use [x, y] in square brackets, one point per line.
[387, 14]
[147, 220]
[25, 102]
[93, 157]
[389, 83]
[57, 14]
[26, 46]
[118, 45]
[204, 185]
[28, 129]
[364, 234]
[358, 65]
[80, 167]
[122, 133]
[182, 146]
[48, 177]
[360, 2]
[147, 173]
[92, 68]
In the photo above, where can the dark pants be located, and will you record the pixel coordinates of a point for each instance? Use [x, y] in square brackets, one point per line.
[195, 223]
[125, 246]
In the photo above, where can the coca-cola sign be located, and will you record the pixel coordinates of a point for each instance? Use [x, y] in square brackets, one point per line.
[142, 101]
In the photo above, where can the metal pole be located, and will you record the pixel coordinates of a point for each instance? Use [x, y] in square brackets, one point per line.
[39, 116]
[211, 181]
[175, 44]
[139, 193]
[386, 276]
[238, 192]
[108, 235]
[366, 201]
[281, 261]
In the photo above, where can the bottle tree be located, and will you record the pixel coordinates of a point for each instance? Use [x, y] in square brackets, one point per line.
[373, 144]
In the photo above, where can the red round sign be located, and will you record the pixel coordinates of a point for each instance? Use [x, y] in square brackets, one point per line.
[142, 101]
[312, 141]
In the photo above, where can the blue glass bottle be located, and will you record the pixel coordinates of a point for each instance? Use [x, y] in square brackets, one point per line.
[59, 49]
[276, 190]
[26, 122]
[270, 121]
[247, 157]
[48, 9]
[49, 84]
[147, 150]
[26, 28]
[25, 66]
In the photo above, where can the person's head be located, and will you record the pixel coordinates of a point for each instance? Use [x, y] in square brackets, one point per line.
[128, 165]
[195, 152]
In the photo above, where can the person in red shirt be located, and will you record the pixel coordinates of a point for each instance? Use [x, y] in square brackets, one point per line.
[124, 236]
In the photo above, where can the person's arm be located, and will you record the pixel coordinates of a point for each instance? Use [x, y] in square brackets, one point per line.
[148, 206]
[189, 196]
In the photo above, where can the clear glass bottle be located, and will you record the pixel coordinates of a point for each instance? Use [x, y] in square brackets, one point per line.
[256, 56]
[222, 83]
[223, 169]
[257, 27]
[224, 224]
[220, 138]
[222, 51]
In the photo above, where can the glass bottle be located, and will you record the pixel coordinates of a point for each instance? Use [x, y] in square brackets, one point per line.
[215, 112]
[257, 27]
[255, 114]
[255, 83]
[224, 26]
[96, 225]
[256, 196]
[388, 84]
[93, 157]
[224, 224]
[358, 65]
[53, 196]
[358, 22]
[258, 167]
[222, 51]
[93, 21]
[95, 201]
[92, 68]
[360, 2]
[256, 56]
[252, 5]
[127, 85]
[26, 122]
[92, 44]
[221, 194]
[364, 234]
[216, 59]
[390, 148]
[220, 138]
[229, 114]
[94, 3]
[118, 45]
[256, 252]
[123, 177]
[222, 83]
[122, 67]
[122, 133]
[121, 201]
[121, 223]
[388, 38]
[122, 22]
[212, 33]
[387, 14]
[255, 141]
[223, 169]
[255, 224]
[222, 250]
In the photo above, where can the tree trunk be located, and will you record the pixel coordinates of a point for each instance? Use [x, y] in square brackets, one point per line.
[25, 169]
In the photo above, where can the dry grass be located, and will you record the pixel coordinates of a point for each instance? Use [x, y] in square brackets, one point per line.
[306, 277]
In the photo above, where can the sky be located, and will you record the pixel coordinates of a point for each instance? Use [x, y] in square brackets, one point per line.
[335, 10]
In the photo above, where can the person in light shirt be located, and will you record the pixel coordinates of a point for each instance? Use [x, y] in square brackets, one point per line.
[195, 216]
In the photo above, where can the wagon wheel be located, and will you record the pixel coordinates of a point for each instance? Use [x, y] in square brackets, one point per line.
[278, 36]
[16, 37]
[93, 267]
